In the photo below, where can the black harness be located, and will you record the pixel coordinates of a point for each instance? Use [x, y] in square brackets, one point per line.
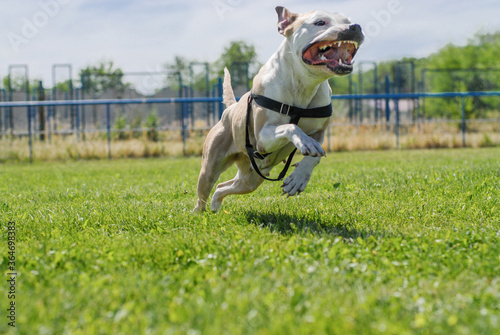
[295, 113]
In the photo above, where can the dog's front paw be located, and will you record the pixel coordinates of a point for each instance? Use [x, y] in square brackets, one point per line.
[295, 183]
[308, 147]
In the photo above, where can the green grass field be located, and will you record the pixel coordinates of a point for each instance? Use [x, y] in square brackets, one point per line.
[394, 242]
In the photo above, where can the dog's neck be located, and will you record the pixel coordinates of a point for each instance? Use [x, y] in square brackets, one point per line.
[285, 78]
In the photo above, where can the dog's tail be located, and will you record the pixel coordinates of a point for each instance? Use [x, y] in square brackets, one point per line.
[228, 93]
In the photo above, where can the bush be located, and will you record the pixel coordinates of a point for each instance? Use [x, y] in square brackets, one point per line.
[120, 128]
[152, 123]
[136, 124]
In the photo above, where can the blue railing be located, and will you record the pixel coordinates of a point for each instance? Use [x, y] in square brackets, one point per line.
[387, 97]
[372, 96]
[92, 102]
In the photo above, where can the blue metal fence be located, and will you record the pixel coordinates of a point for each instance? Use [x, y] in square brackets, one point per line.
[186, 102]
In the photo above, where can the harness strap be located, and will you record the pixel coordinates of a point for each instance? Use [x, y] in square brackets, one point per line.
[294, 112]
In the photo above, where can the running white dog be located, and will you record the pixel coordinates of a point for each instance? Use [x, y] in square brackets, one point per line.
[289, 108]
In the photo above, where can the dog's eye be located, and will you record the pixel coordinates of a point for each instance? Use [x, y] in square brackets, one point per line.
[320, 23]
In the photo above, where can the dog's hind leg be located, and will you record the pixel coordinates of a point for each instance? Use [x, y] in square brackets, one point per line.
[218, 156]
[208, 177]
[245, 181]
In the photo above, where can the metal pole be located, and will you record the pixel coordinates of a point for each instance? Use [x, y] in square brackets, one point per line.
[356, 121]
[34, 98]
[360, 91]
[396, 102]
[462, 101]
[221, 104]
[72, 109]
[77, 117]
[214, 94]
[387, 102]
[2, 113]
[82, 79]
[422, 79]
[54, 111]
[108, 126]
[49, 119]
[41, 111]
[10, 109]
[185, 123]
[419, 108]
[413, 86]
[30, 139]
[351, 102]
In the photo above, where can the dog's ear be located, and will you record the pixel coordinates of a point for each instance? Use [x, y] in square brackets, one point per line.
[285, 19]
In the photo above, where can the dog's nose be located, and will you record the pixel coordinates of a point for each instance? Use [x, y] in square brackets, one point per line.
[355, 28]
[353, 32]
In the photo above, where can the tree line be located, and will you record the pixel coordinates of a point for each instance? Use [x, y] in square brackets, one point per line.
[474, 66]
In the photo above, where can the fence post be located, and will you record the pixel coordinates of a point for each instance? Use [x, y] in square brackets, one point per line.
[419, 107]
[30, 139]
[82, 79]
[221, 105]
[190, 108]
[185, 121]
[351, 101]
[462, 102]
[387, 103]
[108, 128]
[41, 111]
[396, 103]
[356, 116]
[50, 113]
[77, 117]
[214, 104]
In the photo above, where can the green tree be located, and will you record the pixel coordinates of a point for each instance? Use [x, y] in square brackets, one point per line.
[179, 68]
[120, 128]
[64, 86]
[97, 79]
[18, 83]
[152, 123]
[473, 67]
[241, 59]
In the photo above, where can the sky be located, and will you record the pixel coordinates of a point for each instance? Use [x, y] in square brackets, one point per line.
[145, 35]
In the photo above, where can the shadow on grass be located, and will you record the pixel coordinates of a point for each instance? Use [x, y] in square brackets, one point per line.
[287, 224]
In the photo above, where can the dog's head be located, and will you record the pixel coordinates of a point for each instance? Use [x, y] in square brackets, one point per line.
[327, 42]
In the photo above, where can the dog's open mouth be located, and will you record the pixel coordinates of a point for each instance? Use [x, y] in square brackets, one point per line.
[336, 55]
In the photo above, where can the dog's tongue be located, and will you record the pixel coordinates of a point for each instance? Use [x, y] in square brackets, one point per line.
[323, 53]
[333, 54]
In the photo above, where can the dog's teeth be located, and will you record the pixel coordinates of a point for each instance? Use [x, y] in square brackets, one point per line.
[340, 61]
